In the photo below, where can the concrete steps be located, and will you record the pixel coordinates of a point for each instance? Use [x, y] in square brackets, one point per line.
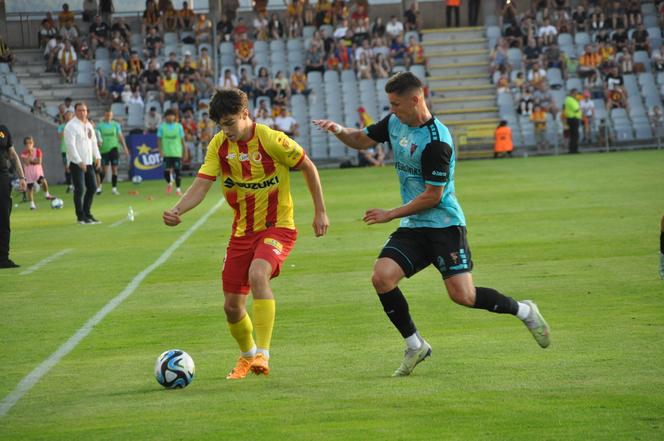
[462, 94]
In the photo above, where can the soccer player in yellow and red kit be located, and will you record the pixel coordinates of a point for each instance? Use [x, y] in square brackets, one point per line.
[253, 164]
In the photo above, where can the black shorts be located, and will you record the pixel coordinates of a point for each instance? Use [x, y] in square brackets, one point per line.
[64, 159]
[415, 248]
[172, 162]
[111, 157]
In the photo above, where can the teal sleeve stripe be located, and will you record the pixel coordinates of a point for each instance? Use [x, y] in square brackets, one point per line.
[437, 184]
[366, 130]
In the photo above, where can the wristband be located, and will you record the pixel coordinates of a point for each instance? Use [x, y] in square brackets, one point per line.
[337, 129]
[21, 177]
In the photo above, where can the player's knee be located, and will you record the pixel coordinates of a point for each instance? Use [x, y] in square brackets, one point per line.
[382, 280]
[258, 277]
[233, 310]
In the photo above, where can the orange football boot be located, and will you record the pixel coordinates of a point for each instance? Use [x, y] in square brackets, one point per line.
[260, 365]
[241, 369]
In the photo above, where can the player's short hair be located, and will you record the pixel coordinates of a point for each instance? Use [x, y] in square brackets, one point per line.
[227, 102]
[26, 139]
[402, 83]
[79, 104]
[169, 112]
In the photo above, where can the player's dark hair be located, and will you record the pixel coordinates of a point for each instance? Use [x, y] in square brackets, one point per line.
[227, 102]
[26, 139]
[169, 112]
[78, 104]
[402, 83]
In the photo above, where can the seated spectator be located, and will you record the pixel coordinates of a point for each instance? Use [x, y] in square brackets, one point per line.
[38, 108]
[224, 29]
[547, 32]
[205, 129]
[119, 47]
[275, 28]
[69, 32]
[245, 83]
[244, 51]
[239, 29]
[519, 83]
[186, 17]
[151, 17]
[188, 68]
[617, 16]
[614, 79]
[498, 58]
[66, 17]
[365, 48]
[640, 39]
[580, 19]
[607, 53]
[135, 97]
[6, 55]
[99, 33]
[228, 80]
[151, 78]
[152, 121]
[542, 97]
[344, 56]
[382, 67]
[371, 157]
[46, 32]
[263, 105]
[633, 12]
[399, 52]
[412, 17]
[658, 59]
[340, 30]
[588, 62]
[206, 71]
[393, 28]
[69, 105]
[536, 76]
[656, 117]
[514, 36]
[260, 24]
[118, 82]
[602, 37]
[616, 98]
[620, 40]
[526, 102]
[294, 17]
[203, 30]
[315, 59]
[119, 62]
[298, 82]
[378, 28]
[169, 86]
[286, 123]
[188, 94]
[170, 18]
[416, 54]
[363, 67]
[89, 10]
[123, 28]
[332, 62]
[172, 62]
[153, 43]
[190, 130]
[263, 85]
[263, 117]
[282, 87]
[626, 64]
[595, 85]
[135, 68]
[67, 59]
[553, 58]
[503, 83]
[323, 13]
[531, 54]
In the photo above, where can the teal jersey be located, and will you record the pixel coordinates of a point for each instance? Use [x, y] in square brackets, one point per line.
[422, 155]
[171, 136]
[109, 135]
[63, 146]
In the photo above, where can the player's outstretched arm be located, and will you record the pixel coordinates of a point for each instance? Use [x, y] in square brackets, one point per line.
[310, 172]
[192, 197]
[353, 138]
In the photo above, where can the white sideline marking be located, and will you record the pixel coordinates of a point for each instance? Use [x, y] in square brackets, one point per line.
[43, 262]
[33, 377]
[120, 222]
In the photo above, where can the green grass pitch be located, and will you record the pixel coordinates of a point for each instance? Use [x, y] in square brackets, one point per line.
[579, 235]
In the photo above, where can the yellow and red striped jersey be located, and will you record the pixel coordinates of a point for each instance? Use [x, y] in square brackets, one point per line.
[255, 177]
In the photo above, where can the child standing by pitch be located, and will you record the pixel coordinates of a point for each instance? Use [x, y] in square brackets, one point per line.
[32, 158]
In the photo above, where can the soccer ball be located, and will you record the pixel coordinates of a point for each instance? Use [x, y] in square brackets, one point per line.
[174, 369]
[57, 203]
[137, 179]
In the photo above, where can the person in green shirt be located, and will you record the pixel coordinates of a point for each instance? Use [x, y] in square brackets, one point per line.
[572, 113]
[111, 140]
[170, 142]
[63, 149]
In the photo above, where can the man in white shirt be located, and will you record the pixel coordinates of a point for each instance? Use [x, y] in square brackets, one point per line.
[393, 28]
[83, 157]
[547, 32]
[286, 123]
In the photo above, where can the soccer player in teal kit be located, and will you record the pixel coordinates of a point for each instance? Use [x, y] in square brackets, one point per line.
[433, 227]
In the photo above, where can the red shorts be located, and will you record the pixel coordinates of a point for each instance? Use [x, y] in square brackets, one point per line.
[273, 245]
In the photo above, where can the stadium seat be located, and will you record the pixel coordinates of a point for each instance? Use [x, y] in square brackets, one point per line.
[624, 134]
[409, 34]
[170, 38]
[337, 149]
[8, 90]
[85, 78]
[135, 115]
[565, 39]
[493, 32]
[104, 64]
[308, 31]
[186, 34]
[187, 48]
[653, 99]
[11, 78]
[226, 47]
[418, 70]
[295, 44]
[330, 76]
[655, 35]
[574, 83]
[277, 46]
[514, 57]
[119, 109]
[650, 21]
[618, 114]
[643, 58]
[206, 46]
[101, 53]
[4, 68]
[261, 46]
[327, 30]
[643, 132]
[314, 78]
[648, 9]
[582, 38]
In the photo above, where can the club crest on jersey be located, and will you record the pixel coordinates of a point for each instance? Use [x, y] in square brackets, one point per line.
[403, 142]
[256, 156]
[244, 157]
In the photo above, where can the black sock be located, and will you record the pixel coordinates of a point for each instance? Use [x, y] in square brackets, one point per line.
[661, 242]
[177, 179]
[396, 308]
[167, 176]
[68, 178]
[492, 300]
[114, 179]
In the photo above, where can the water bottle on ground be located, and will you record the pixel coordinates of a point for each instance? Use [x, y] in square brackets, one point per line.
[130, 215]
